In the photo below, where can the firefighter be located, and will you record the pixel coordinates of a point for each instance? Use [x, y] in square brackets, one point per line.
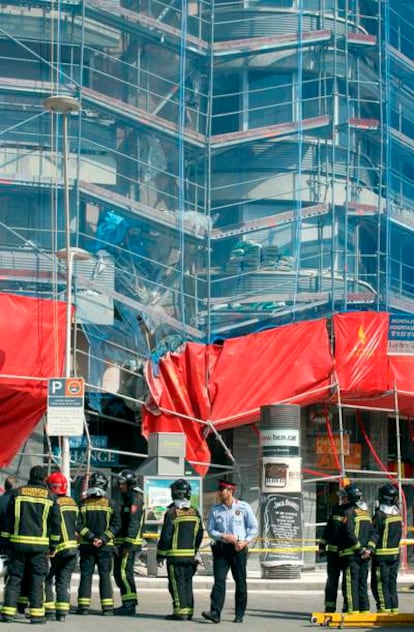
[180, 539]
[63, 563]
[387, 523]
[128, 541]
[9, 485]
[34, 532]
[329, 544]
[356, 544]
[98, 524]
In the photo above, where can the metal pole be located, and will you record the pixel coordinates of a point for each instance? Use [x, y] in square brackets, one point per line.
[69, 266]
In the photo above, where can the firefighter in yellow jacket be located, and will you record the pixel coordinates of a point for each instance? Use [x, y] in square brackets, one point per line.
[180, 539]
[98, 524]
[128, 541]
[387, 523]
[33, 532]
[63, 562]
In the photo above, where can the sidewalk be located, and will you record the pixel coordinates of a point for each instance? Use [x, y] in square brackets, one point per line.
[309, 580]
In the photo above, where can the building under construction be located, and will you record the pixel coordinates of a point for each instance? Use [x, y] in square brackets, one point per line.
[233, 166]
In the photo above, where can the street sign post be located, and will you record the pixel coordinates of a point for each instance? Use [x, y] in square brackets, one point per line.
[65, 406]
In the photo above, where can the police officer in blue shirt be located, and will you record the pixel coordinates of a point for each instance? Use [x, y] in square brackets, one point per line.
[232, 526]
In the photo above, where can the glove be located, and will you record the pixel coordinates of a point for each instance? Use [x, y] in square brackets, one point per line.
[160, 560]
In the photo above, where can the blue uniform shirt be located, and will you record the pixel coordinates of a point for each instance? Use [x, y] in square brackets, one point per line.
[238, 519]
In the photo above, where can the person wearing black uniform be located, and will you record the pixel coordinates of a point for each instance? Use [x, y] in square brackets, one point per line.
[128, 541]
[329, 544]
[98, 523]
[9, 485]
[180, 539]
[387, 523]
[356, 544]
[34, 531]
[63, 562]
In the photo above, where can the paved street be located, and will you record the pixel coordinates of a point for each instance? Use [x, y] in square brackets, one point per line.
[288, 611]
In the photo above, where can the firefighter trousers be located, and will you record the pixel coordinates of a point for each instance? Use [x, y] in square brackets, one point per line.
[333, 569]
[384, 583]
[355, 584]
[90, 557]
[34, 567]
[124, 575]
[226, 558]
[180, 585]
[60, 574]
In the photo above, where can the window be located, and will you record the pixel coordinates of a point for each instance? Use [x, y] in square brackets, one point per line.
[270, 99]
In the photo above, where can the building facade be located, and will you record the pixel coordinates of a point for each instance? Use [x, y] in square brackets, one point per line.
[233, 166]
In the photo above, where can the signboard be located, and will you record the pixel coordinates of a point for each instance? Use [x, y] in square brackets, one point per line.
[281, 527]
[401, 334]
[65, 406]
[78, 448]
[324, 446]
[280, 442]
[353, 460]
[157, 494]
[281, 474]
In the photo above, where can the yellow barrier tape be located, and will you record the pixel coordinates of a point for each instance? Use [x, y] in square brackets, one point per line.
[284, 549]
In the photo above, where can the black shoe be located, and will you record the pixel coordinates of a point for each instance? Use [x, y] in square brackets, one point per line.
[61, 618]
[50, 616]
[238, 620]
[175, 617]
[125, 611]
[211, 616]
[108, 612]
[7, 618]
[38, 620]
[83, 611]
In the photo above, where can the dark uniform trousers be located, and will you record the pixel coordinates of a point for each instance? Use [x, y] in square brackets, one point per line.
[124, 575]
[90, 556]
[225, 557]
[384, 583]
[60, 572]
[23, 565]
[333, 569]
[355, 584]
[180, 585]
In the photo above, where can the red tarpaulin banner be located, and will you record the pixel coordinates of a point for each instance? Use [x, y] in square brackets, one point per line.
[361, 340]
[181, 387]
[229, 383]
[32, 344]
[270, 367]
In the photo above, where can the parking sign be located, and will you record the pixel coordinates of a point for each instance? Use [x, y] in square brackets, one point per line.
[65, 406]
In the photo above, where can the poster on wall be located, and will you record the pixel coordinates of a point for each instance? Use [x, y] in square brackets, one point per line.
[157, 494]
[282, 474]
[282, 531]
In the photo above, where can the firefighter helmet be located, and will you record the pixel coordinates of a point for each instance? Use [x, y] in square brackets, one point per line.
[98, 484]
[353, 493]
[57, 483]
[388, 494]
[180, 490]
[128, 476]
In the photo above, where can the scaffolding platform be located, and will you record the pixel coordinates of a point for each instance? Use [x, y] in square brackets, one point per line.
[361, 620]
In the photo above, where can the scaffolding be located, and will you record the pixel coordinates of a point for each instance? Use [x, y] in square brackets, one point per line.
[234, 166]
